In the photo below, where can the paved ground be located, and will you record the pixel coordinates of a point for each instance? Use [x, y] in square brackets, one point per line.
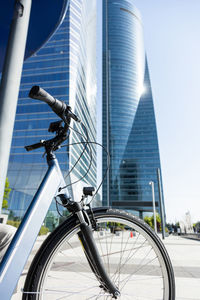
[185, 256]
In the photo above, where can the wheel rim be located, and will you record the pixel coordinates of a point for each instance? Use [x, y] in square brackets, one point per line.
[131, 257]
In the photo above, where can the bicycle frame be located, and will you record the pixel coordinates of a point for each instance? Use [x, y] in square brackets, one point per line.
[18, 252]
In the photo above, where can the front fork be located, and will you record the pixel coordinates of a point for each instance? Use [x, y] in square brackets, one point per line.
[90, 248]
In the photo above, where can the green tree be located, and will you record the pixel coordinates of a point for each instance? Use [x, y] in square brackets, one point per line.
[148, 220]
[7, 191]
[158, 221]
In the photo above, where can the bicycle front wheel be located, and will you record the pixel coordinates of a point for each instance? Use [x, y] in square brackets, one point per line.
[134, 257]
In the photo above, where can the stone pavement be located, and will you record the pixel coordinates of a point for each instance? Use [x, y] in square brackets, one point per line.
[185, 257]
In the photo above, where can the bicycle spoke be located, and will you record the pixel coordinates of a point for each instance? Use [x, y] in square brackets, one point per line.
[99, 243]
[122, 252]
[128, 277]
[80, 258]
[130, 256]
[132, 263]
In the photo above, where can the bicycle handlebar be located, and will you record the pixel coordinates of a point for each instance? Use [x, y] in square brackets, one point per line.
[58, 106]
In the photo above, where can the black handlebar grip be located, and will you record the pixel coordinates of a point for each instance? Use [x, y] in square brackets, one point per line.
[58, 106]
[38, 93]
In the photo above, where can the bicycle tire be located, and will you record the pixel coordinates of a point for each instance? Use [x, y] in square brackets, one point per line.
[135, 258]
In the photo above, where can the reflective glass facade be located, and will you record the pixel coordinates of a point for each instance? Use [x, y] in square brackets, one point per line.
[66, 67]
[129, 127]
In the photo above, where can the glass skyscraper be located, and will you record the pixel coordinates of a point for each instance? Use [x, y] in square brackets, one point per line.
[129, 127]
[65, 67]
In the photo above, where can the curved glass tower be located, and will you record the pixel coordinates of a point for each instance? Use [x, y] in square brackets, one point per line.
[66, 67]
[129, 127]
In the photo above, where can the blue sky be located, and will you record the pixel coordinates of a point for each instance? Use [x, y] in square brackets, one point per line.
[172, 42]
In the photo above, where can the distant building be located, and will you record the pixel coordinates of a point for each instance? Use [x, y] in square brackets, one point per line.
[65, 66]
[129, 126]
[186, 223]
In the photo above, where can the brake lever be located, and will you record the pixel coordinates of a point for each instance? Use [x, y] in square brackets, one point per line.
[70, 114]
[35, 146]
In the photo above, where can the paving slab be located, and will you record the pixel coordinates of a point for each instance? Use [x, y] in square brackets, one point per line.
[185, 257]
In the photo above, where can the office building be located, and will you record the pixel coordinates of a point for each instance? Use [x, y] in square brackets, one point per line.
[65, 66]
[129, 126]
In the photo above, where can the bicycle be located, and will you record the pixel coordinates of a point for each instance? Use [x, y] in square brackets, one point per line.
[96, 253]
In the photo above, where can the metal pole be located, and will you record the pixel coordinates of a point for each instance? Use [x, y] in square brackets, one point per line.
[10, 82]
[161, 204]
[107, 103]
[154, 205]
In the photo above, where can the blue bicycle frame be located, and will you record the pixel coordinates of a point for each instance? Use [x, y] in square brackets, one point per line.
[18, 252]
